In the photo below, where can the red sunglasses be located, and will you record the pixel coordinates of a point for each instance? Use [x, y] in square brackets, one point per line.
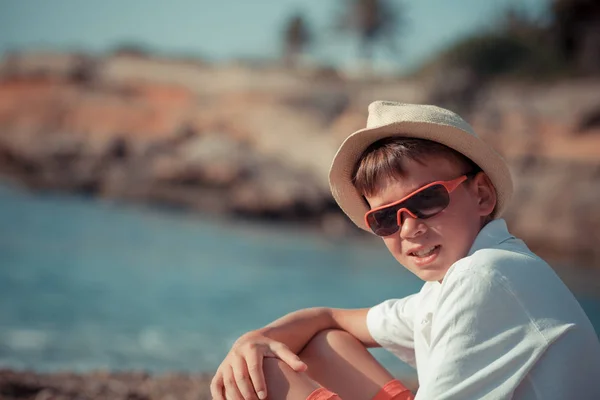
[423, 203]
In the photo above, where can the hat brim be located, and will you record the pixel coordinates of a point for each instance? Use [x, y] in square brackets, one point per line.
[342, 167]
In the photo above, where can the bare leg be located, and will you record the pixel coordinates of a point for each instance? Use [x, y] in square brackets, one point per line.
[337, 361]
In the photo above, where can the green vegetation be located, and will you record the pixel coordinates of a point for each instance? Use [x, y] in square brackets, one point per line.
[566, 44]
[498, 54]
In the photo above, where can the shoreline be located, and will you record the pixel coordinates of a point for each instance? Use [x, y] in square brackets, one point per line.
[258, 143]
[332, 229]
[247, 147]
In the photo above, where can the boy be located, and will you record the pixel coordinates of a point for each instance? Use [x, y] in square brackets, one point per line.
[492, 319]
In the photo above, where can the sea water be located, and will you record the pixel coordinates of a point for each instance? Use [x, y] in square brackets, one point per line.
[88, 284]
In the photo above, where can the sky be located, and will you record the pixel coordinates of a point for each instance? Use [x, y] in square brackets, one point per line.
[222, 30]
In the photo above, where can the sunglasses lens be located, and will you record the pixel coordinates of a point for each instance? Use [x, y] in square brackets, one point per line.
[424, 204]
[383, 222]
[429, 202]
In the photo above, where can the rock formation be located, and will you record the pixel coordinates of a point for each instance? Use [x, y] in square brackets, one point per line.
[233, 139]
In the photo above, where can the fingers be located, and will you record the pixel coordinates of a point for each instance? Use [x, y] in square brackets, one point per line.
[224, 386]
[255, 369]
[231, 388]
[217, 387]
[242, 379]
[289, 357]
[241, 375]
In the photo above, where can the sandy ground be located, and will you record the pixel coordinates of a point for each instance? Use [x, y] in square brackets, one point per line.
[102, 385]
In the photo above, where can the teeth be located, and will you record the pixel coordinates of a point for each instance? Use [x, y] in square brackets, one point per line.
[424, 253]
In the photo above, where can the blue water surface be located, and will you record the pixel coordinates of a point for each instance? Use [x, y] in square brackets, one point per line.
[88, 284]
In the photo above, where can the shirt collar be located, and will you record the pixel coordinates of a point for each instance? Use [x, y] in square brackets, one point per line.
[491, 235]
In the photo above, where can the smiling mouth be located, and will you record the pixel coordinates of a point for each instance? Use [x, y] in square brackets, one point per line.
[424, 253]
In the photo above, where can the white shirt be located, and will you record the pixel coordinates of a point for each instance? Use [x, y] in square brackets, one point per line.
[501, 325]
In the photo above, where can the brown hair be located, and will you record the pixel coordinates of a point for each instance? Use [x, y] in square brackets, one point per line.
[384, 158]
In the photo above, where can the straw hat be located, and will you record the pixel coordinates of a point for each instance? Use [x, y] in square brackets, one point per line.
[416, 121]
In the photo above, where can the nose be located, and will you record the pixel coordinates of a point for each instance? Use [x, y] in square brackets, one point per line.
[410, 225]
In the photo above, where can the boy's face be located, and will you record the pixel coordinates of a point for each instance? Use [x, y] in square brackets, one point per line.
[451, 232]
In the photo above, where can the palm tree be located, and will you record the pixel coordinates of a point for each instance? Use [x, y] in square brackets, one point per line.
[375, 21]
[296, 38]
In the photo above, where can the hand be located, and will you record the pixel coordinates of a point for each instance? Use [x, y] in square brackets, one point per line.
[240, 376]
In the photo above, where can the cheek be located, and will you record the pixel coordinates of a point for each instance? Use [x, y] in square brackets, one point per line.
[462, 212]
[459, 228]
[393, 245]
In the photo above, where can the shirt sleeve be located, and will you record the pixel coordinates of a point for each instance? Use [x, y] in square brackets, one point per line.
[483, 342]
[391, 325]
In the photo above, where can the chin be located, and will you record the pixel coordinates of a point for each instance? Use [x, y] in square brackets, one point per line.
[430, 272]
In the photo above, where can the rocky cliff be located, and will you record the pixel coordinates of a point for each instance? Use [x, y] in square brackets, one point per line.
[257, 141]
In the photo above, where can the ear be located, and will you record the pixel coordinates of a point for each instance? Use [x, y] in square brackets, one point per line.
[485, 193]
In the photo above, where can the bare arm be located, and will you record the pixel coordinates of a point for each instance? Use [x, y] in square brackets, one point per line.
[297, 328]
[240, 375]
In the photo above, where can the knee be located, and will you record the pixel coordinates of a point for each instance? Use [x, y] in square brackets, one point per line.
[332, 337]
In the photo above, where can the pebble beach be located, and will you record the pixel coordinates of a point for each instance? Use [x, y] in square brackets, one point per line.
[102, 385]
